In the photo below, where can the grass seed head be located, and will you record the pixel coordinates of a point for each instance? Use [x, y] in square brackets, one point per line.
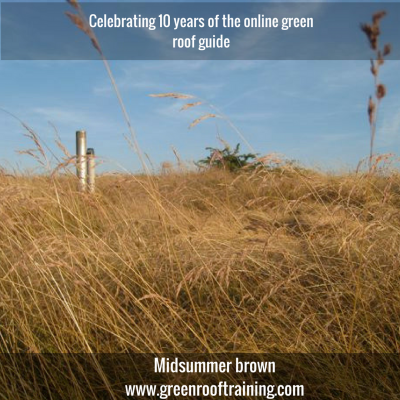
[78, 22]
[371, 110]
[387, 49]
[380, 59]
[380, 91]
[378, 16]
[74, 3]
[172, 95]
[200, 119]
[374, 70]
[190, 105]
[372, 33]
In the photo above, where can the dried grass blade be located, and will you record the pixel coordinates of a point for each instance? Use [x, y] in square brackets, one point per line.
[172, 95]
[190, 105]
[63, 165]
[74, 3]
[78, 22]
[200, 119]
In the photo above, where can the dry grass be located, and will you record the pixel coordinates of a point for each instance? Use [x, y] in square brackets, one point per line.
[373, 31]
[284, 261]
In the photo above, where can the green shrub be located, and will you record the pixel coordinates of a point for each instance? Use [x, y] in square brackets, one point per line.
[227, 159]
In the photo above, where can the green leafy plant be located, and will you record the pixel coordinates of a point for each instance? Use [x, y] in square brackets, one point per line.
[227, 159]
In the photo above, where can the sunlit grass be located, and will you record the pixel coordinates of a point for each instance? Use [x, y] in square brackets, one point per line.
[287, 261]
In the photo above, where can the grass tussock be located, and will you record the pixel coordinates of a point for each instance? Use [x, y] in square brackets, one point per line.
[281, 261]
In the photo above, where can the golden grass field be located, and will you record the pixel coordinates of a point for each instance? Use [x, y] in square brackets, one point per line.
[281, 260]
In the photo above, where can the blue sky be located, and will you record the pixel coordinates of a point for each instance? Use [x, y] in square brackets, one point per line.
[311, 111]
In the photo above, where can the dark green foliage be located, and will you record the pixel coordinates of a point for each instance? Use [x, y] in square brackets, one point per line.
[228, 159]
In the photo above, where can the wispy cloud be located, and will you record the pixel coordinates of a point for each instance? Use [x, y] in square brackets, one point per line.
[162, 76]
[79, 117]
[389, 131]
